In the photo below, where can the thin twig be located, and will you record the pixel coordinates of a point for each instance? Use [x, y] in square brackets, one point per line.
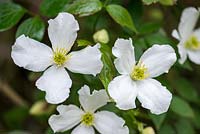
[11, 94]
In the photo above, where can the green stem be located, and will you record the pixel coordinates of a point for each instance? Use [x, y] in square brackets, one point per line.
[95, 23]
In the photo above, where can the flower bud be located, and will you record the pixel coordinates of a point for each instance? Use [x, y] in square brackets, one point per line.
[148, 130]
[101, 36]
[156, 14]
[40, 108]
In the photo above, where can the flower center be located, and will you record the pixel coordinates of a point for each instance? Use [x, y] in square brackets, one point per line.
[60, 56]
[192, 43]
[88, 119]
[140, 72]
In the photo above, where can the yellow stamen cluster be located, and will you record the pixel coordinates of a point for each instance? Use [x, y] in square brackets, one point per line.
[60, 56]
[192, 43]
[88, 119]
[140, 72]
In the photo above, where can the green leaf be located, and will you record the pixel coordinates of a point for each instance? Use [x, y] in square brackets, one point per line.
[83, 43]
[196, 120]
[168, 2]
[32, 27]
[121, 16]
[84, 7]
[148, 2]
[186, 90]
[164, 2]
[149, 27]
[131, 121]
[140, 47]
[158, 120]
[183, 126]
[10, 14]
[108, 71]
[51, 8]
[15, 117]
[181, 107]
[187, 65]
[157, 38]
[166, 129]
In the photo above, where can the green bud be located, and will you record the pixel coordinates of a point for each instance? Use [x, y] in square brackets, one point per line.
[101, 36]
[148, 130]
[40, 108]
[156, 14]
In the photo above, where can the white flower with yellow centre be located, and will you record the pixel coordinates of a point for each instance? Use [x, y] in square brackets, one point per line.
[136, 79]
[86, 120]
[189, 39]
[35, 56]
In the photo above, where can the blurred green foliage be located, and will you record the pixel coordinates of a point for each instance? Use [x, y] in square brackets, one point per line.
[84, 7]
[32, 27]
[145, 22]
[10, 14]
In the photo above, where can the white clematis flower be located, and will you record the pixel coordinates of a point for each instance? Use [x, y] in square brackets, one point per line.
[70, 116]
[136, 79]
[189, 39]
[35, 56]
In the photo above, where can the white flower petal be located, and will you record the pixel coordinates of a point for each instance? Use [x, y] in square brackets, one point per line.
[182, 52]
[197, 33]
[123, 90]
[69, 116]
[153, 96]
[188, 21]
[194, 56]
[91, 102]
[124, 51]
[158, 59]
[175, 34]
[109, 123]
[63, 31]
[56, 83]
[82, 129]
[31, 54]
[85, 61]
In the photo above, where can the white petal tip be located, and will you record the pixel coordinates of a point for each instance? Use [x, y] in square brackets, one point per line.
[181, 61]
[126, 107]
[175, 34]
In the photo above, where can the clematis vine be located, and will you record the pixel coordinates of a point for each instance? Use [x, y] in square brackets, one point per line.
[189, 39]
[85, 119]
[35, 56]
[136, 79]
